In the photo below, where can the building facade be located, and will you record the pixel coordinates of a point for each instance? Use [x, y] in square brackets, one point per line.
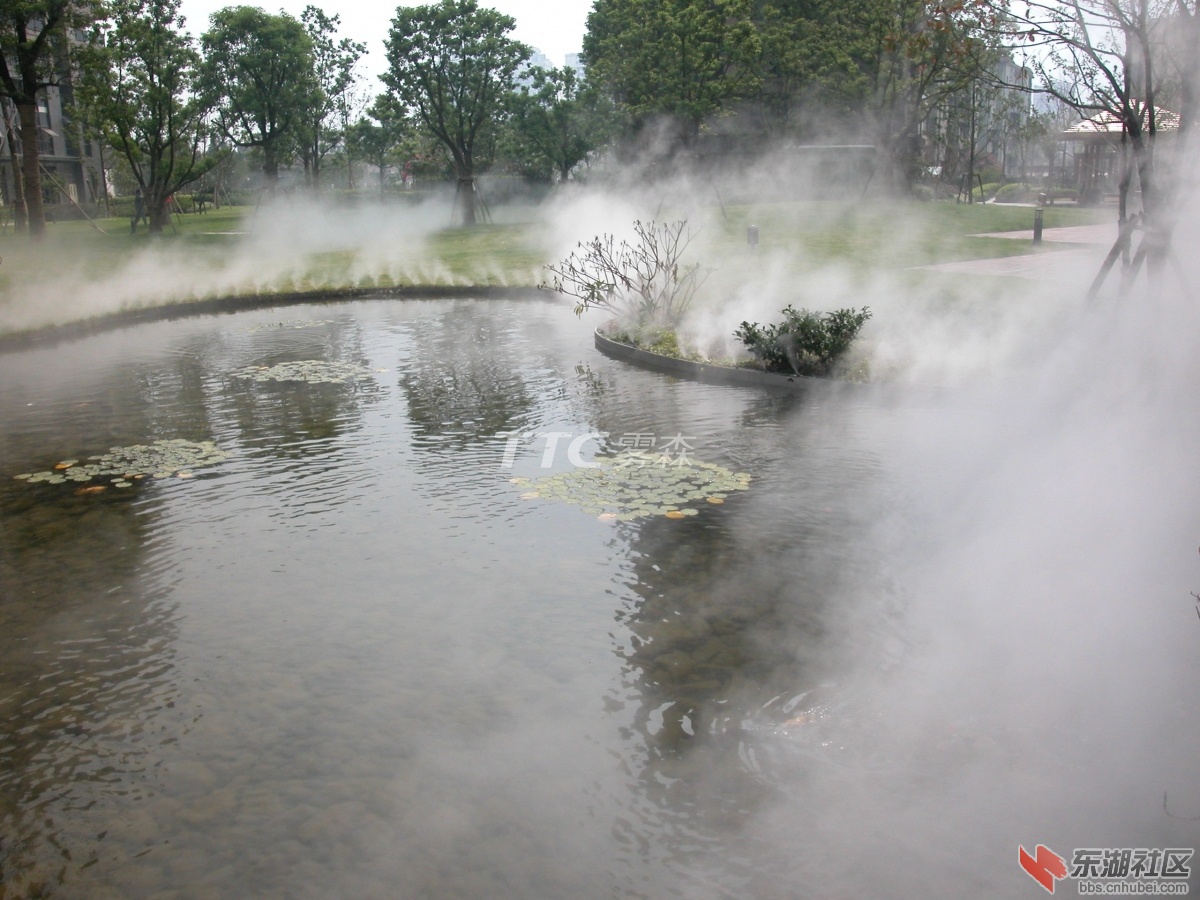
[71, 161]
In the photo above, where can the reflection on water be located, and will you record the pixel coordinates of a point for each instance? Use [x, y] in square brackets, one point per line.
[351, 661]
[350, 656]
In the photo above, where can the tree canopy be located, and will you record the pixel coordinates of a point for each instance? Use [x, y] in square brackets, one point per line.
[683, 59]
[34, 51]
[1115, 58]
[555, 122]
[140, 93]
[259, 74]
[379, 135]
[334, 64]
[452, 65]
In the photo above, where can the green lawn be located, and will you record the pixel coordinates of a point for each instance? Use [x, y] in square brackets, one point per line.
[221, 254]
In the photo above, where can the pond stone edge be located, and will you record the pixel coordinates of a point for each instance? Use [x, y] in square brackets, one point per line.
[52, 334]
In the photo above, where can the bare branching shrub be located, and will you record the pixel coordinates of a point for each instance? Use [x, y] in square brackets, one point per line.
[643, 284]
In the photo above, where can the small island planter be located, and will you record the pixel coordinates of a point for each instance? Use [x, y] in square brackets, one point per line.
[705, 373]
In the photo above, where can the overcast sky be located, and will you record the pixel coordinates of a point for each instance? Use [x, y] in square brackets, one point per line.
[553, 26]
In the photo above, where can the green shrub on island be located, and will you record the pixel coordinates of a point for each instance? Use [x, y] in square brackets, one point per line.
[804, 343]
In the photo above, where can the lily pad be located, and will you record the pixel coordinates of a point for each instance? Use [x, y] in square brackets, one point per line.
[310, 371]
[123, 466]
[634, 485]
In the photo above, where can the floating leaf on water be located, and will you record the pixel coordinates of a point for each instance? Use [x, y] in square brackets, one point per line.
[162, 459]
[23, 477]
[532, 495]
[311, 371]
[122, 484]
[632, 485]
[716, 500]
[608, 517]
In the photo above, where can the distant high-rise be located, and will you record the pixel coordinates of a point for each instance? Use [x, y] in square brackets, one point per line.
[537, 59]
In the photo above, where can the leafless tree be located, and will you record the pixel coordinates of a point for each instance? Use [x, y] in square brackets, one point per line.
[1108, 58]
[645, 284]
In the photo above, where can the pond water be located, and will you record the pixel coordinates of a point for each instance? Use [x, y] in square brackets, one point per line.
[353, 650]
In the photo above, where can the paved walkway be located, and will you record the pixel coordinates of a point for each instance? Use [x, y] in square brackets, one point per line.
[1072, 234]
[1061, 265]
[1045, 265]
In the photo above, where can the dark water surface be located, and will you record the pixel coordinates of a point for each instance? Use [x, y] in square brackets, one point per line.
[350, 660]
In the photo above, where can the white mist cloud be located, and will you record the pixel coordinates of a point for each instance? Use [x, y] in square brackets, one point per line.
[1044, 544]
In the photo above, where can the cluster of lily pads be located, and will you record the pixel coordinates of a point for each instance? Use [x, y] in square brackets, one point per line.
[123, 466]
[634, 484]
[313, 371]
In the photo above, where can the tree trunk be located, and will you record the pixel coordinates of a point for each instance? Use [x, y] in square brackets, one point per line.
[270, 171]
[1157, 226]
[972, 138]
[159, 215]
[18, 197]
[466, 199]
[31, 171]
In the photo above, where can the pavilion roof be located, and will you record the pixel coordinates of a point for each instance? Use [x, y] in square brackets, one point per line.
[1107, 125]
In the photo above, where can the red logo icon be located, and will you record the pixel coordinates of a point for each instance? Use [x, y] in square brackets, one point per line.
[1045, 868]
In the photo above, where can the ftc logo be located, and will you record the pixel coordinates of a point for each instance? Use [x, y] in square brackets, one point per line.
[1045, 868]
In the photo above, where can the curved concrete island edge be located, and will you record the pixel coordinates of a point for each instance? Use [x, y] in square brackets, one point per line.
[696, 371]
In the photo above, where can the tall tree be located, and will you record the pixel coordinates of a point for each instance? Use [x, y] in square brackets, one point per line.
[140, 92]
[1106, 58]
[452, 64]
[919, 54]
[34, 56]
[682, 59]
[556, 121]
[259, 74]
[379, 136]
[975, 126]
[334, 64]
